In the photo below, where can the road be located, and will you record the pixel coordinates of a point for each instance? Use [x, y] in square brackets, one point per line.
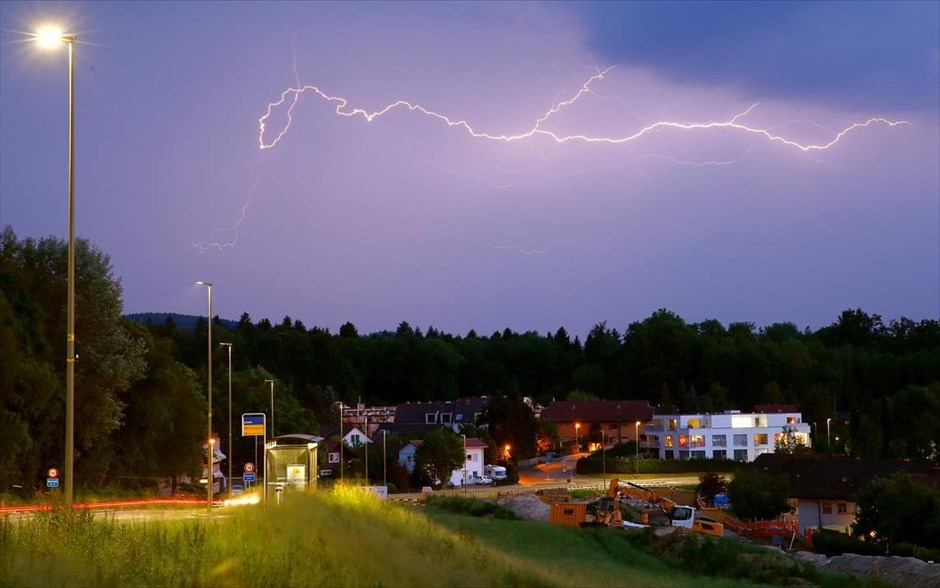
[561, 472]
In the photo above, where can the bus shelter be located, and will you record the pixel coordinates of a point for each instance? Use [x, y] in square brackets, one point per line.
[290, 463]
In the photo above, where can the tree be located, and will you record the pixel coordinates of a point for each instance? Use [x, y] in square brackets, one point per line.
[511, 422]
[756, 496]
[440, 453]
[788, 442]
[710, 485]
[896, 508]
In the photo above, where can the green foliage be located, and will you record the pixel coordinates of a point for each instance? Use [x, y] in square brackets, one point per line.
[832, 543]
[711, 484]
[471, 506]
[438, 456]
[595, 463]
[510, 421]
[757, 496]
[897, 508]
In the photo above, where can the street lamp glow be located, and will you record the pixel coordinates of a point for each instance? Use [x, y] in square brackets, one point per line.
[50, 37]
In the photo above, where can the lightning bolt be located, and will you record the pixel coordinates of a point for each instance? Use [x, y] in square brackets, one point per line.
[343, 109]
[519, 248]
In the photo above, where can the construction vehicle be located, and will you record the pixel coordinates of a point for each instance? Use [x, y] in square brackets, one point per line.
[609, 513]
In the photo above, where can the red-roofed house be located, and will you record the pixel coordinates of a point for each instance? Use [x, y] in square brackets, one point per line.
[616, 418]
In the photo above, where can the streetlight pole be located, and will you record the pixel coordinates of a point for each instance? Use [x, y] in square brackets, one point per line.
[604, 455]
[464, 437]
[50, 37]
[272, 405]
[636, 437]
[366, 443]
[385, 460]
[231, 450]
[341, 468]
[577, 427]
[209, 472]
[827, 435]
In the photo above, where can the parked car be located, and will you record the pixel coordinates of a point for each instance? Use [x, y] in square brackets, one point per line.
[484, 480]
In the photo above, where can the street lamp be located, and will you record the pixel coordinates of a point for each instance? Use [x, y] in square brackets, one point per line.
[53, 37]
[208, 286]
[231, 450]
[577, 426]
[604, 455]
[464, 437]
[272, 405]
[827, 435]
[385, 461]
[636, 437]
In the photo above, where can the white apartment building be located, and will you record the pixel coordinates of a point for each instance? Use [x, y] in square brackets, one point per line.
[729, 435]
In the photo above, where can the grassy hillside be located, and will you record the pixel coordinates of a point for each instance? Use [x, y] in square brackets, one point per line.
[341, 538]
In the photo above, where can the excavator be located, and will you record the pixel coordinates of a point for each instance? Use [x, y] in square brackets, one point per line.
[609, 513]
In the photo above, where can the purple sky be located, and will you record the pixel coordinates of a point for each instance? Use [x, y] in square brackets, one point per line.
[407, 218]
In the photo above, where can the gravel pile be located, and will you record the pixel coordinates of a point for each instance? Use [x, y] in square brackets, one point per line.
[527, 506]
[903, 571]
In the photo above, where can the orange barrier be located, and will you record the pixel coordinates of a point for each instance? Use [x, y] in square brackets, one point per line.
[762, 528]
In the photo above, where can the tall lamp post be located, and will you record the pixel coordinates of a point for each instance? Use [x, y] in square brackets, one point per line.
[636, 436]
[464, 437]
[604, 455]
[231, 450]
[577, 427]
[52, 37]
[385, 460]
[827, 435]
[208, 286]
[272, 405]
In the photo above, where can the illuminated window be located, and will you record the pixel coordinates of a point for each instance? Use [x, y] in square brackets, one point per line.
[669, 441]
[694, 423]
[760, 439]
[683, 440]
[697, 440]
[673, 423]
[791, 420]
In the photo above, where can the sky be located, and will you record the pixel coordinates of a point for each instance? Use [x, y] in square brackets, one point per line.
[549, 164]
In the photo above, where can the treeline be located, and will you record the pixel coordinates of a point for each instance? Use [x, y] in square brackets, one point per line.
[141, 389]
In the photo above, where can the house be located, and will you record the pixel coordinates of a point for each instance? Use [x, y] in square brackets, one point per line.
[218, 478]
[729, 435]
[822, 486]
[452, 413]
[619, 420]
[353, 436]
[473, 467]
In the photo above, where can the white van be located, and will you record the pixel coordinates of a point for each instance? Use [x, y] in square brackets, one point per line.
[495, 472]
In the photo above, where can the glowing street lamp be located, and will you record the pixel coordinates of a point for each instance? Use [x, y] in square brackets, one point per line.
[49, 37]
[636, 436]
[231, 450]
[208, 286]
[577, 426]
[827, 433]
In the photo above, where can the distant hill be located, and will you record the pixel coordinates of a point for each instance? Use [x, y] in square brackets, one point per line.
[183, 321]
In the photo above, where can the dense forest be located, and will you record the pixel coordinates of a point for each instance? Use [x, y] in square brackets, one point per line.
[141, 388]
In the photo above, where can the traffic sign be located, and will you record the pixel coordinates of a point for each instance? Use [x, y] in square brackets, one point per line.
[249, 467]
[52, 473]
[52, 482]
[248, 476]
[253, 424]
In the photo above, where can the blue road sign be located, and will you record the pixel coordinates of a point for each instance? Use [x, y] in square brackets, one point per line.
[52, 482]
[248, 476]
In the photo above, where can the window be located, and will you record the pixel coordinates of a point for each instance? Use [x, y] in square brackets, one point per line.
[683, 440]
[697, 440]
[760, 438]
[469, 457]
[445, 417]
[669, 441]
[719, 441]
[740, 454]
[720, 454]
[694, 423]
[698, 455]
[613, 426]
[740, 440]
[333, 458]
[791, 420]
[430, 418]
[673, 423]
[827, 508]
[354, 439]
[842, 508]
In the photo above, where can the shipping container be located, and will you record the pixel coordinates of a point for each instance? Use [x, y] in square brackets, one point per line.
[569, 514]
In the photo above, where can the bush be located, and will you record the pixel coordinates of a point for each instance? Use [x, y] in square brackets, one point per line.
[595, 464]
[834, 543]
[471, 506]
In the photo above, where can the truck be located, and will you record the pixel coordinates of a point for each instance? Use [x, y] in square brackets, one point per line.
[496, 472]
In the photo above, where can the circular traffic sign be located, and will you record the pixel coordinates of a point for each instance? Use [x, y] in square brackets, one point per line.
[53, 473]
[249, 467]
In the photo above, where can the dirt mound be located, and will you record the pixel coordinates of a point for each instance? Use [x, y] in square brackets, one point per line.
[904, 571]
[527, 506]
